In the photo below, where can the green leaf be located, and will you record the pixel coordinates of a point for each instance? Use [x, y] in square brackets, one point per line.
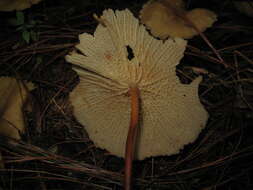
[26, 36]
[20, 18]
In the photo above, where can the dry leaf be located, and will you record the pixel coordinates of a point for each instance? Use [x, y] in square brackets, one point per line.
[168, 18]
[11, 5]
[13, 95]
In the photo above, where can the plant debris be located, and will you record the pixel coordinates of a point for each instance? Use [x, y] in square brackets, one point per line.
[56, 152]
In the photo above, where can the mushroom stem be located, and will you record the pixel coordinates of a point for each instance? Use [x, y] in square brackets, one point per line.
[131, 137]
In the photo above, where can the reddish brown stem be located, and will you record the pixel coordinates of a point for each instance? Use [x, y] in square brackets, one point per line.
[131, 137]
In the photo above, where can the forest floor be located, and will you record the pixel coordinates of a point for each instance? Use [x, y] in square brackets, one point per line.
[55, 152]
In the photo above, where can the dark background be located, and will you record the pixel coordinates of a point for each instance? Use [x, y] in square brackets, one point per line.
[55, 152]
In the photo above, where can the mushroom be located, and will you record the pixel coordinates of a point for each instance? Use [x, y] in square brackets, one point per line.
[11, 5]
[13, 94]
[168, 18]
[127, 77]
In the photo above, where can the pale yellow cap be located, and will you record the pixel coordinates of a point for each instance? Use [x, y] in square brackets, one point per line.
[12, 5]
[171, 113]
[162, 21]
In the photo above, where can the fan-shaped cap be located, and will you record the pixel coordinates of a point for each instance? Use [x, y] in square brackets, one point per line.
[163, 21]
[120, 54]
[11, 5]
[13, 95]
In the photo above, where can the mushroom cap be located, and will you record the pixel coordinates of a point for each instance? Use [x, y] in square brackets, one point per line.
[163, 22]
[201, 18]
[171, 113]
[11, 5]
[13, 95]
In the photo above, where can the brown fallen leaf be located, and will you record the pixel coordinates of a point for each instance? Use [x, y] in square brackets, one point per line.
[169, 18]
[13, 95]
[12, 5]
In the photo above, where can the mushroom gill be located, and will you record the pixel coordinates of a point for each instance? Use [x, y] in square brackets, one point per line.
[172, 114]
[127, 84]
